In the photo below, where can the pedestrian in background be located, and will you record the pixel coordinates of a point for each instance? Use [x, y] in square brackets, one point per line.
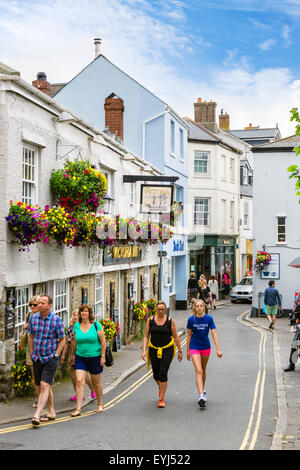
[46, 339]
[67, 350]
[34, 307]
[204, 293]
[88, 355]
[272, 299]
[226, 282]
[192, 288]
[199, 347]
[213, 286]
[159, 348]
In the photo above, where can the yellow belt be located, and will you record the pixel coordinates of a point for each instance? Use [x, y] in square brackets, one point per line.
[159, 350]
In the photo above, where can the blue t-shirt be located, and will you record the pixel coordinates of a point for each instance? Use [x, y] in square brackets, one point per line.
[200, 329]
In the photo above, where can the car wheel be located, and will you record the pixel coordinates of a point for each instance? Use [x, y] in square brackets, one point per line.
[233, 301]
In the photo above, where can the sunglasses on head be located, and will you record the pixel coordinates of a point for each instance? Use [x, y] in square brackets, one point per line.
[33, 305]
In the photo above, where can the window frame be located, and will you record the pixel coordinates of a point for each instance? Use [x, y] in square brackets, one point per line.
[61, 312]
[201, 160]
[281, 242]
[24, 310]
[207, 213]
[101, 301]
[30, 183]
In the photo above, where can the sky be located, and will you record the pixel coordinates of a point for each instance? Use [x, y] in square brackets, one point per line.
[243, 54]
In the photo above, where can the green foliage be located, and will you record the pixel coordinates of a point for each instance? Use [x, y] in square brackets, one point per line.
[294, 169]
[21, 374]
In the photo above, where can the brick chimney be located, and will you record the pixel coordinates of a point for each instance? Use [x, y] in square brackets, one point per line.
[41, 83]
[114, 110]
[205, 114]
[224, 121]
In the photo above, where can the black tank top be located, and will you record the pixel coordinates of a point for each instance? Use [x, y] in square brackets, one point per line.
[160, 335]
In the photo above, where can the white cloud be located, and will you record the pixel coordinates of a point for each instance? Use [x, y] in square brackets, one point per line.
[267, 44]
[285, 34]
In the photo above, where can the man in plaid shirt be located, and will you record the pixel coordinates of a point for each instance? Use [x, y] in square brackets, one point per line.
[46, 339]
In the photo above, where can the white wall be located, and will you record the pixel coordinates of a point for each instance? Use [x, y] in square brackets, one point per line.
[273, 195]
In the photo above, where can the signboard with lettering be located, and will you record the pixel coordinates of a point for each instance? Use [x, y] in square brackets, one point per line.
[156, 199]
[10, 313]
[272, 271]
[118, 338]
[121, 254]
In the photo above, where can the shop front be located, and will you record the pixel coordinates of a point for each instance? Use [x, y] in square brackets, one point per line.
[213, 255]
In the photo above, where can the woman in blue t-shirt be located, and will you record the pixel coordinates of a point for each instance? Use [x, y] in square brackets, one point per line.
[198, 345]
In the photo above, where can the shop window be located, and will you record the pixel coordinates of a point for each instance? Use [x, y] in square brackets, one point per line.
[23, 295]
[201, 211]
[61, 299]
[29, 176]
[281, 229]
[99, 297]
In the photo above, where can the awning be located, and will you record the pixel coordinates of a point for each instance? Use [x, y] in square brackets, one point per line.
[295, 263]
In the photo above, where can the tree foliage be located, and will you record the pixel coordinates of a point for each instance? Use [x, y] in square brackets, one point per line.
[294, 169]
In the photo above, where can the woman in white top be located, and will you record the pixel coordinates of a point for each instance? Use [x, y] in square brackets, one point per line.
[213, 285]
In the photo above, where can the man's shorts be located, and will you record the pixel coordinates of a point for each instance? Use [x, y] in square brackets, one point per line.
[89, 364]
[45, 372]
[271, 309]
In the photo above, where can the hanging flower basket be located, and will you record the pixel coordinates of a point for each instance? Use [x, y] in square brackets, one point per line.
[140, 311]
[79, 186]
[26, 224]
[262, 260]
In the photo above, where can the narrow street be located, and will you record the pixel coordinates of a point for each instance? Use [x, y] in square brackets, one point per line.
[240, 413]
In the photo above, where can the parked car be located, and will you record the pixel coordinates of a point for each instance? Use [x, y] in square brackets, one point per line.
[242, 291]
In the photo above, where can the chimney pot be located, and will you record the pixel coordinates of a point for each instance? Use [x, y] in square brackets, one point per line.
[199, 100]
[41, 76]
[42, 84]
[97, 43]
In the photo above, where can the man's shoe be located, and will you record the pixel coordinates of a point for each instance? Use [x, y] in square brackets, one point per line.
[289, 368]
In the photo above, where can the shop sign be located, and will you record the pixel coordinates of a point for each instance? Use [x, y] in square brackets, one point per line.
[272, 271]
[178, 245]
[10, 313]
[156, 199]
[121, 254]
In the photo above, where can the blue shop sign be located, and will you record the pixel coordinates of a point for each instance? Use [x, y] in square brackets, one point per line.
[178, 245]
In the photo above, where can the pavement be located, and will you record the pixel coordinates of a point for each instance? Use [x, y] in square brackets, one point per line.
[128, 361]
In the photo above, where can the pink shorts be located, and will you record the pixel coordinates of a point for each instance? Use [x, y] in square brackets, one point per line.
[198, 352]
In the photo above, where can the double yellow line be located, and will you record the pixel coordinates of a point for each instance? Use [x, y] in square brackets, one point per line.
[107, 405]
[257, 403]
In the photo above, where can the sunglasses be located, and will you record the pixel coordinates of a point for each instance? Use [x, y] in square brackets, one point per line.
[33, 305]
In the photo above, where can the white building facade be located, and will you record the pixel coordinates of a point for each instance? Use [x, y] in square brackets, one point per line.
[213, 203]
[33, 142]
[276, 213]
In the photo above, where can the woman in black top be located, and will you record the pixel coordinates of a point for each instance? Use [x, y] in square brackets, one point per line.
[160, 336]
[192, 287]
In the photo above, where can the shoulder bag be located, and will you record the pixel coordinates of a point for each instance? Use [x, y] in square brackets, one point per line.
[109, 360]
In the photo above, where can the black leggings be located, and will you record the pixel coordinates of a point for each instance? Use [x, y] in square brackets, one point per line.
[161, 366]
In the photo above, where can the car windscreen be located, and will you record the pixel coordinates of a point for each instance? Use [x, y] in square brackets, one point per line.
[247, 281]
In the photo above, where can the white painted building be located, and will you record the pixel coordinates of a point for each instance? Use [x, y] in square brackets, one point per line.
[32, 130]
[276, 213]
[245, 243]
[213, 203]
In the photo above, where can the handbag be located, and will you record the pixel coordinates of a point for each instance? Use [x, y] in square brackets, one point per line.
[109, 360]
[23, 340]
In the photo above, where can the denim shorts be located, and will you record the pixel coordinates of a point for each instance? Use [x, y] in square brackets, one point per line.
[89, 364]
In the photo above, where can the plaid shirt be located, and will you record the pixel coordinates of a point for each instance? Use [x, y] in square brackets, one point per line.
[46, 333]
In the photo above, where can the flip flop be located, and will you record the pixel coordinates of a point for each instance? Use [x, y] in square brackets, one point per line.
[35, 422]
[76, 413]
[45, 419]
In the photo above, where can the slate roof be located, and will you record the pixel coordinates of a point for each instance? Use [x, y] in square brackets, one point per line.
[288, 143]
[269, 133]
[199, 132]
